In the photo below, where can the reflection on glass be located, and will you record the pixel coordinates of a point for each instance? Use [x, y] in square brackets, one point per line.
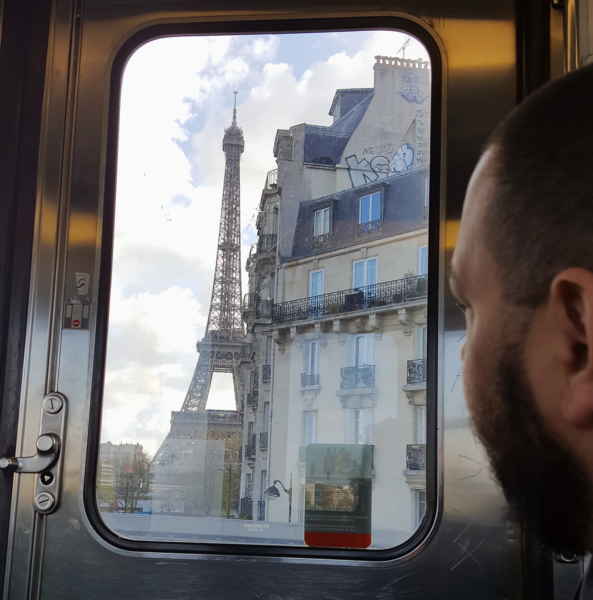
[307, 298]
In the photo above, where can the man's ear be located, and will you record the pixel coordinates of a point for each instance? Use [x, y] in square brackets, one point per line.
[571, 314]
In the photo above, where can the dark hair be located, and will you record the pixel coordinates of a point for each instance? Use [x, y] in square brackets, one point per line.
[541, 219]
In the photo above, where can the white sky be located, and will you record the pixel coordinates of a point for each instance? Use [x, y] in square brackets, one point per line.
[176, 101]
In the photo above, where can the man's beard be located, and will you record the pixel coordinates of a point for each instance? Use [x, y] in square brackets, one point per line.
[545, 484]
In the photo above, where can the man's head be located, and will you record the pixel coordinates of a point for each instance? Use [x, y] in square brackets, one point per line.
[523, 267]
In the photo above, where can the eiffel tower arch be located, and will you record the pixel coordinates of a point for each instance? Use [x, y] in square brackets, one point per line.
[222, 346]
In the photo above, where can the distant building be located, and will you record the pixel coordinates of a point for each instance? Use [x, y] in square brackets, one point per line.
[123, 475]
[336, 308]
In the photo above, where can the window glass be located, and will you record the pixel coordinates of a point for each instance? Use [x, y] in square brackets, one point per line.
[262, 180]
[321, 222]
[423, 260]
[370, 208]
[316, 288]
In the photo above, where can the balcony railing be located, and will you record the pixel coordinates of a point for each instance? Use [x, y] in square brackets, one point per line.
[308, 379]
[357, 377]
[250, 448]
[249, 301]
[261, 510]
[416, 457]
[370, 226]
[263, 440]
[417, 371]
[265, 308]
[267, 242]
[370, 296]
[247, 507]
[272, 179]
[302, 454]
[320, 240]
[266, 373]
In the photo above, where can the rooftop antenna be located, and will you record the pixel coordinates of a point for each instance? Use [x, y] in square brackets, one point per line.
[235, 107]
[403, 48]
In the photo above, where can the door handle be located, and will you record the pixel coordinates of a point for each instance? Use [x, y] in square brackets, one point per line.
[48, 450]
[46, 464]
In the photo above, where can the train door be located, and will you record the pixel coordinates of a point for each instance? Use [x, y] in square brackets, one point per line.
[66, 539]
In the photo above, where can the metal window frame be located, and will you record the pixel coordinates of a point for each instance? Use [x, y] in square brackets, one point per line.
[329, 23]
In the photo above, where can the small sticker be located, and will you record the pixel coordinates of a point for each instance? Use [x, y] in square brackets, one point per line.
[82, 283]
[76, 316]
[338, 495]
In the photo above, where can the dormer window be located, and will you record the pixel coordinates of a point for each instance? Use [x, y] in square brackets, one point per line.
[370, 213]
[321, 227]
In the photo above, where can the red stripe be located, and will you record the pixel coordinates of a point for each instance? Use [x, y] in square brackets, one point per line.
[338, 540]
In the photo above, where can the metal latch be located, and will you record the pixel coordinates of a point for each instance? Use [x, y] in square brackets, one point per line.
[47, 462]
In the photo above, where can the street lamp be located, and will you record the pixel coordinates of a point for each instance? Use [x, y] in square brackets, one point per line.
[273, 492]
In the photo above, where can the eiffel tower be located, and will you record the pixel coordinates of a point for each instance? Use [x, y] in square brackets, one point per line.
[222, 346]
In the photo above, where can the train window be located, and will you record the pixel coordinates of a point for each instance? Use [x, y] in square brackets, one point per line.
[271, 206]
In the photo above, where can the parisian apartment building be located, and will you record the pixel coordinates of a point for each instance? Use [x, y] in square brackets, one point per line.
[335, 312]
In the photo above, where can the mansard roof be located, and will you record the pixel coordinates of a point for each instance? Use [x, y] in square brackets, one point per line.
[325, 145]
[402, 210]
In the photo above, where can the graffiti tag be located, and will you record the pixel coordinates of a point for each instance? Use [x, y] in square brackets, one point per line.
[363, 171]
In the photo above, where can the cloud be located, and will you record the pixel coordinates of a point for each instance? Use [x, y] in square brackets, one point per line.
[176, 101]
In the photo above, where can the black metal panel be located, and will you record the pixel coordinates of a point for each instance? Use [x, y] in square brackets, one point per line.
[24, 35]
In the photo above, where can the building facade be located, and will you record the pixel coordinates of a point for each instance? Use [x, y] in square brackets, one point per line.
[336, 307]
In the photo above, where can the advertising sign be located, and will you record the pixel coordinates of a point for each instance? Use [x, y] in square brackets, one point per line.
[338, 495]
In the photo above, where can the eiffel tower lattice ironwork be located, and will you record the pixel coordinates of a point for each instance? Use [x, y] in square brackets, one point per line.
[223, 344]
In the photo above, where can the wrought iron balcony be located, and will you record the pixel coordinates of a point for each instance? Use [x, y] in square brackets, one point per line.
[263, 440]
[357, 377]
[265, 309]
[249, 301]
[417, 371]
[266, 374]
[247, 507]
[272, 180]
[416, 457]
[370, 296]
[302, 454]
[308, 379]
[321, 240]
[369, 226]
[261, 510]
[250, 448]
[267, 242]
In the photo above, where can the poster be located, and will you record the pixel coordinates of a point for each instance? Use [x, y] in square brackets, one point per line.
[338, 488]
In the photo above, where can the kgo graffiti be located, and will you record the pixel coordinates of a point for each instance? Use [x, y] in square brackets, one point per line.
[379, 167]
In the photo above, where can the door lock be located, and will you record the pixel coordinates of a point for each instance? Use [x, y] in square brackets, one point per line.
[48, 449]
[46, 463]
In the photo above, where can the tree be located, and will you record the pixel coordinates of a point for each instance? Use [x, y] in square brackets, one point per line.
[131, 483]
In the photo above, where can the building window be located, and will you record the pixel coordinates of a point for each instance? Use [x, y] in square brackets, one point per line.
[309, 431]
[363, 426]
[420, 424]
[423, 260]
[264, 485]
[419, 507]
[364, 273]
[370, 213]
[316, 283]
[362, 350]
[316, 293]
[311, 374]
[321, 227]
